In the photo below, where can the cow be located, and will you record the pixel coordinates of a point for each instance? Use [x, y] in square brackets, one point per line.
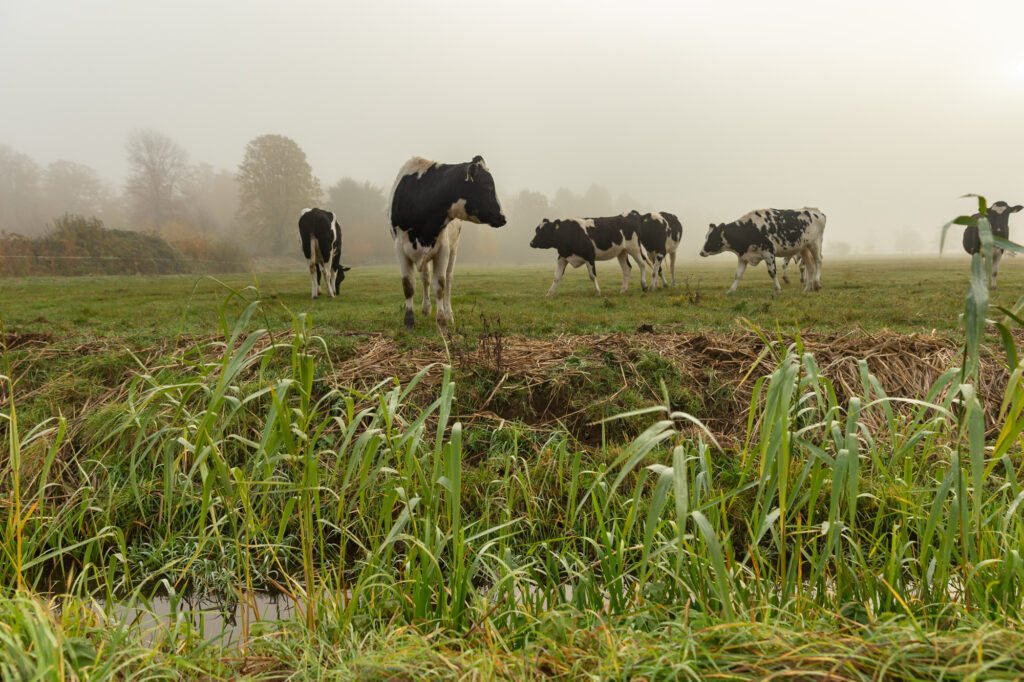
[426, 197]
[765, 234]
[999, 219]
[320, 233]
[580, 241]
[660, 234]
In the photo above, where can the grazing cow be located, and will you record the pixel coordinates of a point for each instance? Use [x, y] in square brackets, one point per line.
[320, 233]
[765, 234]
[999, 219]
[586, 240]
[425, 198]
[660, 234]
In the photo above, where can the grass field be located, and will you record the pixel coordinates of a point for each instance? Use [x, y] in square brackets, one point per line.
[848, 507]
[907, 295]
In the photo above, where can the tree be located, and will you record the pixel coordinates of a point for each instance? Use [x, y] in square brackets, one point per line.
[211, 197]
[19, 193]
[75, 188]
[366, 234]
[275, 184]
[158, 170]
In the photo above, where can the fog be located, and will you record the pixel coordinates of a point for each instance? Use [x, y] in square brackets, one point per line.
[880, 113]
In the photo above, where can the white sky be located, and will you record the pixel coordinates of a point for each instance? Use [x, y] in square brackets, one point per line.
[879, 113]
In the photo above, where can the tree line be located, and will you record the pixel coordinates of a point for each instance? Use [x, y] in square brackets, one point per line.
[202, 211]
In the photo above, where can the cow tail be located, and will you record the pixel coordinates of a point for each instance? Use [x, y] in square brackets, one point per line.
[306, 251]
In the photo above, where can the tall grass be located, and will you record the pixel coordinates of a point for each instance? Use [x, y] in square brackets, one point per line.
[240, 468]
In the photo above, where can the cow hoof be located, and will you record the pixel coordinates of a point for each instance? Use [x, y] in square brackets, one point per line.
[410, 321]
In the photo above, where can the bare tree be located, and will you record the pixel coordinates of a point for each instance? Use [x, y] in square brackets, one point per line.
[19, 193]
[158, 170]
[275, 184]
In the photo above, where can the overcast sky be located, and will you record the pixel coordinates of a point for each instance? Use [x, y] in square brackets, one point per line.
[879, 113]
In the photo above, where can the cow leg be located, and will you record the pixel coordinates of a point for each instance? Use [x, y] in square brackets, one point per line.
[807, 268]
[997, 255]
[785, 270]
[329, 276]
[741, 265]
[314, 277]
[592, 271]
[408, 288]
[672, 265]
[770, 262]
[559, 271]
[816, 251]
[626, 267]
[638, 256]
[425, 278]
[440, 268]
[449, 272]
[659, 268]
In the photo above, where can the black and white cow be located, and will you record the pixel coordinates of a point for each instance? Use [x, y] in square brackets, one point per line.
[999, 219]
[765, 234]
[320, 233]
[582, 241]
[660, 234]
[426, 197]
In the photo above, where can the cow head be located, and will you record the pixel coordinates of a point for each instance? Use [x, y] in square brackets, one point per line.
[481, 198]
[1001, 207]
[714, 240]
[340, 275]
[545, 236]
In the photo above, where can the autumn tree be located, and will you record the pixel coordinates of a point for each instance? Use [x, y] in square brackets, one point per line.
[158, 169]
[275, 184]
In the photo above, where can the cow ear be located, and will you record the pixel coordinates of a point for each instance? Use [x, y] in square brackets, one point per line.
[1016, 208]
[556, 224]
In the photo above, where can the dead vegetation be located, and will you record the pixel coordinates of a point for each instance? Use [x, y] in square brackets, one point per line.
[561, 379]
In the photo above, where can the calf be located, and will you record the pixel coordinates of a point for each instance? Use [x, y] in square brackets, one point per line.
[425, 198]
[320, 233]
[999, 219]
[580, 241]
[765, 234]
[660, 234]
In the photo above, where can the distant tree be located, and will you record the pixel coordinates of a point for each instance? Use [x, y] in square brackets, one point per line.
[597, 201]
[211, 200]
[366, 234]
[275, 184]
[158, 169]
[75, 188]
[19, 193]
[528, 208]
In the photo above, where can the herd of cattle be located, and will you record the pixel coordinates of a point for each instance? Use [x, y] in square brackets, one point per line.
[429, 201]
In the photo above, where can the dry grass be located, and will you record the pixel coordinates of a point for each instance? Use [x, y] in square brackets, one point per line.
[728, 363]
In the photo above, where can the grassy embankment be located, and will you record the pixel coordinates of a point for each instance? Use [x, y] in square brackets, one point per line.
[853, 535]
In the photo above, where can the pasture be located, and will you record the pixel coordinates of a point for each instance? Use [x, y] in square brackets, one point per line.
[527, 495]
